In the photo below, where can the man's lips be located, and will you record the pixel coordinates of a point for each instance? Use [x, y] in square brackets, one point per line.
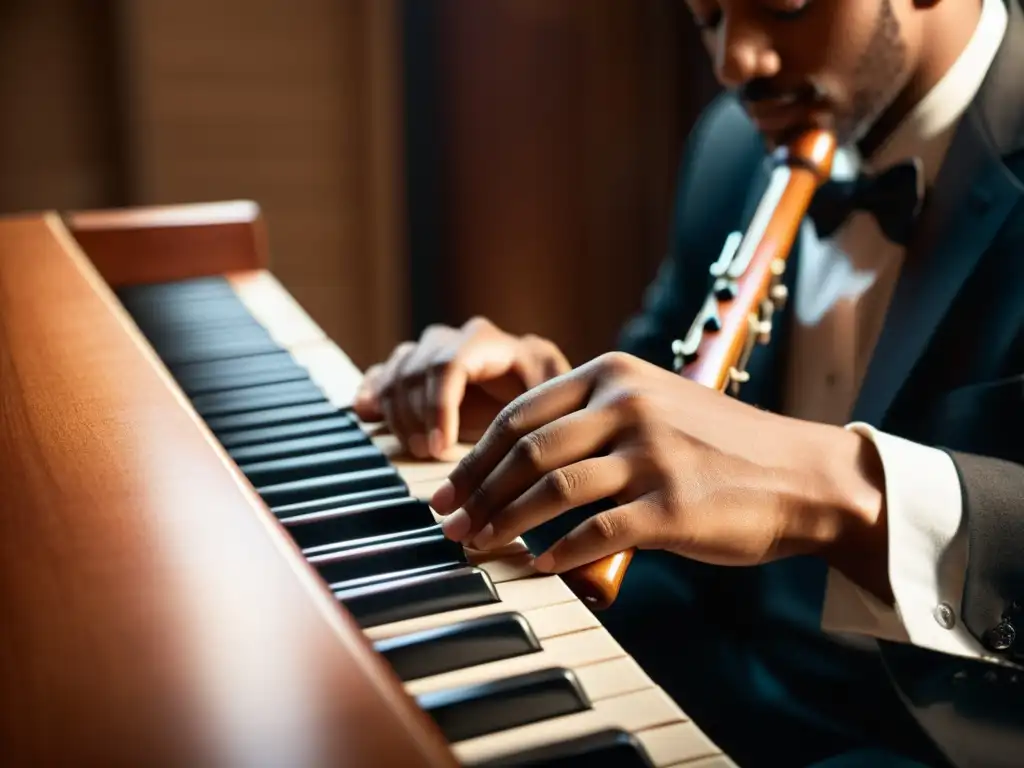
[780, 114]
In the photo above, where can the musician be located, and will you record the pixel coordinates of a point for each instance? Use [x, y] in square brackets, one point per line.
[829, 564]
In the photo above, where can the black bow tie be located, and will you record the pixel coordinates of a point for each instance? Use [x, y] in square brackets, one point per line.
[894, 197]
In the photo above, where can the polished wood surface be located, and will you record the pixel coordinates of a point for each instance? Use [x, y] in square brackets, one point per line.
[808, 162]
[597, 584]
[563, 123]
[153, 612]
[157, 243]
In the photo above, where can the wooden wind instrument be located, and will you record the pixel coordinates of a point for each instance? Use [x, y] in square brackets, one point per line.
[746, 290]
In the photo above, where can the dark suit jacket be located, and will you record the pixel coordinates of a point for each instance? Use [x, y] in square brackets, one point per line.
[948, 371]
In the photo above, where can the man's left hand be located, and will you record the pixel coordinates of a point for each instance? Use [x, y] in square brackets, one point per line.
[691, 470]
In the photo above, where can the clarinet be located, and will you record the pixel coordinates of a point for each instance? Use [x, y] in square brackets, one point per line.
[746, 289]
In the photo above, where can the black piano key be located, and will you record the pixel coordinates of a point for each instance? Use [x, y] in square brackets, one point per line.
[197, 350]
[177, 291]
[336, 422]
[419, 596]
[302, 446]
[476, 710]
[336, 503]
[393, 577]
[333, 485]
[173, 318]
[272, 417]
[275, 471]
[611, 747]
[361, 522]
[218, 375]
[195, 387]
[164, 327]
[257, 398]
[477, 641]
[408, 554]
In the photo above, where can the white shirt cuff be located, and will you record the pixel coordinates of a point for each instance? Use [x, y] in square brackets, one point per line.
[927, 555]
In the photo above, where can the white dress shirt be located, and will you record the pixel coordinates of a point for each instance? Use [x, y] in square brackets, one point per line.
[843, 290]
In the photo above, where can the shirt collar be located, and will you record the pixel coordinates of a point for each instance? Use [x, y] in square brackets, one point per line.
[926, 131]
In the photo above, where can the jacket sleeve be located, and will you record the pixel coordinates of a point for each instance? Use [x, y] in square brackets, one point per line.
[993, 505]
[720, 160]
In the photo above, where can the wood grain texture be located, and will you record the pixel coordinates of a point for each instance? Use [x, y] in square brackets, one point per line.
[294, 105]
[563, 123]
[151, 244]
[153, 613]
[59, 136]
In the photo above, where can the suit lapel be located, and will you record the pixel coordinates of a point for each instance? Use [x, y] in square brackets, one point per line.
[958, 225]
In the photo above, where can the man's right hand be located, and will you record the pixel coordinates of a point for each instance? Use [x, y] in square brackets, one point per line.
[451, 384]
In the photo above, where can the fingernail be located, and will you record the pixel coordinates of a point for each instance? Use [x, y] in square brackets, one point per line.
[436, 443]
[443, 498]
[545, 562]
[418, 446]
[457, 526]
[484, 538]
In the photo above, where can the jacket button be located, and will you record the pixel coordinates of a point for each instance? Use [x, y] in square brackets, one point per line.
[1001, 636]
[944, 615]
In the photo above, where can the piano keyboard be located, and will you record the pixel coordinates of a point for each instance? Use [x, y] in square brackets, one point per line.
[511, 666]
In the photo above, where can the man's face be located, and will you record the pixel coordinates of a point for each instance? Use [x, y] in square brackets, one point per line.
[795, 64]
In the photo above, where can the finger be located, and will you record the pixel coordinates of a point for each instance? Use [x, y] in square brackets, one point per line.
[546, 403]
[387, 389]
[486, 359]
[445, 391]
[415, 398]
[550, 448]
[366, 403]
[408, 379]
[604, 534]
[556, 492]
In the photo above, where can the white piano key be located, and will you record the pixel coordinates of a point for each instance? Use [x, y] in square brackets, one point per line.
[521, 596]
[274, 308]
[330, 368]
[548, 605]
[718, 761]
[673, 744]
[633, 712]
[574, 651]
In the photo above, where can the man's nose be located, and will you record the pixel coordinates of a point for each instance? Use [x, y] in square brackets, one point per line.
[743, 51]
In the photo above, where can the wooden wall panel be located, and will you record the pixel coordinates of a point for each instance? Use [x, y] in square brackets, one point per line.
[292, 105]
[58, 105]
[563, 122]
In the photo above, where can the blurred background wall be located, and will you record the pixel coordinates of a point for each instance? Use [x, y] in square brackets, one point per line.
[417, 161]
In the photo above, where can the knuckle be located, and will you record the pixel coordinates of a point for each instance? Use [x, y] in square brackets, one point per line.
[479, 500]
[529, 450]
[403, 349]
[616, 362]
[606, 527]
[477, 324]
[434, 329]
[561, 485]
[511, 420]
[633, 404]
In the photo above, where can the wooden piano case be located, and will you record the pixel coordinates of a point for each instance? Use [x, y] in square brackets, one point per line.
[151, 611]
